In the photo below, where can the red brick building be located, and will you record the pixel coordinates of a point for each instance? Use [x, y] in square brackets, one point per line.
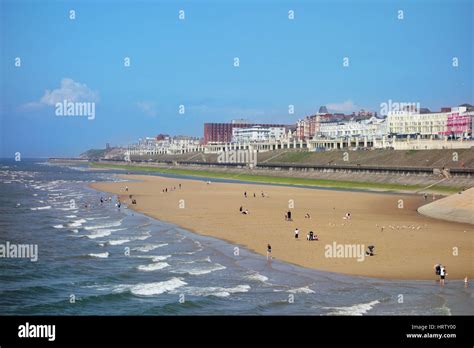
[222, 132]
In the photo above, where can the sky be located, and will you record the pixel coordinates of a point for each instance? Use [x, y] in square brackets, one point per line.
[414, 51]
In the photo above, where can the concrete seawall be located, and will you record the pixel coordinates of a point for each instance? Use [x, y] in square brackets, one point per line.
[458, 207]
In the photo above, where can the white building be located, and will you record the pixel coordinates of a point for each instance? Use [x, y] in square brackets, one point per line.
[168, 145]
[426, 125]
[257, 134]
[371, 128]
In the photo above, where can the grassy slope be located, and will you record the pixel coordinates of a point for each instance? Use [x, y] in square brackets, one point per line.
[277, 179]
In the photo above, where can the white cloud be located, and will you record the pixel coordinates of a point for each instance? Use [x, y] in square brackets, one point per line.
[148, 108]
[346, 106]
[69, 90]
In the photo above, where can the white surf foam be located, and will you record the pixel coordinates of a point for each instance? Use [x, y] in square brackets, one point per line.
[154, 258]
[215, 291]
[146, 235]
[77, 223]
[358, 309]
[149, 247]
[199, 269]
[258, 277]
[41, 208]
[150, 289]
[153, 266]
[98, 227]
[100, 255]
[118, 241]
[102, 233]
[302, 290]
[66, 209]
[160, 258]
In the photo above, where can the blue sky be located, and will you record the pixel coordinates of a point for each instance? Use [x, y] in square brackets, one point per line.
[190, 63]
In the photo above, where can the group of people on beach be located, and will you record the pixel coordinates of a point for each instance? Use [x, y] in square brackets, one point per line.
[288, 216]
[440, 270]
[310, 236]
[172, 188]
[262, 194]
[102, 200]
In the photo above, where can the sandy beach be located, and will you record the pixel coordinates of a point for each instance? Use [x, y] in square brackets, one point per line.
[407, 244]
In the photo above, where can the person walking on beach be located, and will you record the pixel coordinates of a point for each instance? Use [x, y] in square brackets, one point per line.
[288, 215]
[245, 194]
[296, 233]
[179, 186]
[126, 188]
[269, 252]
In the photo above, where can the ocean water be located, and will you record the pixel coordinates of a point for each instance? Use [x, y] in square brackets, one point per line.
[101, 260]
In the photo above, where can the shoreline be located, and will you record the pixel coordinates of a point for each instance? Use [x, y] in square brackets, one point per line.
[409, 262]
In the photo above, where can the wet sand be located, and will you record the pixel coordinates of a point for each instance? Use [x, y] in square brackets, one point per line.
[407, 244]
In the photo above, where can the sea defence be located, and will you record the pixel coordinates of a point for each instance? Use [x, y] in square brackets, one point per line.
[458, 207]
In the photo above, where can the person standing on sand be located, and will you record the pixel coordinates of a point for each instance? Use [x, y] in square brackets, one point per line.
[296, 233]
[245, 194]
[442, 275]
[269, 252]
[180, 186]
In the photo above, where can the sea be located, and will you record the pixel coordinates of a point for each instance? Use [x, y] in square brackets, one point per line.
[97, 259]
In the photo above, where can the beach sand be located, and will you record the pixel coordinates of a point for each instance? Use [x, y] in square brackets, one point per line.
[408, 247]
[458, 207]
